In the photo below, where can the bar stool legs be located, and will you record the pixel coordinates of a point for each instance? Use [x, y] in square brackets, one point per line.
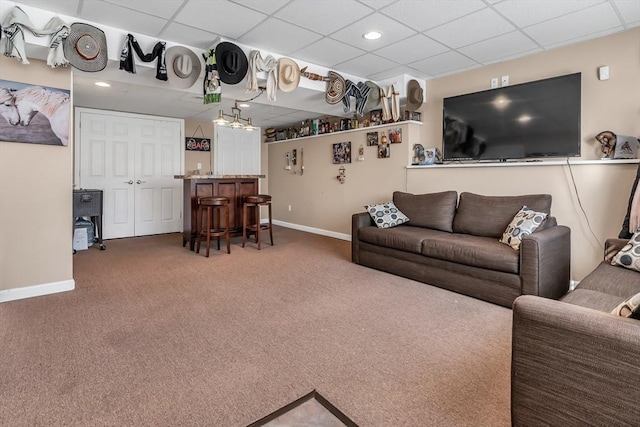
[254, 202]
[206, 208]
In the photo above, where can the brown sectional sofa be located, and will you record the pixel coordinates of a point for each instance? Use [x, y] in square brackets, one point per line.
[573, 362]
[454, 244]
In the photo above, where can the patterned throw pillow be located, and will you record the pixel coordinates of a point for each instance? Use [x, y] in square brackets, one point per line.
[524, 223]
[386, 215]
[629, 255]
[629, 308]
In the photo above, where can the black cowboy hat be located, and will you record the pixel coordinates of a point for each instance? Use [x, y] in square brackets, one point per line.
[232, 63]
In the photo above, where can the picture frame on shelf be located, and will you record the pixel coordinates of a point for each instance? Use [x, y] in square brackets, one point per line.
[375, 116]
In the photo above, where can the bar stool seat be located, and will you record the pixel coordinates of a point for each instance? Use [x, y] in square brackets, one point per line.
[254, 201]
[207, 227]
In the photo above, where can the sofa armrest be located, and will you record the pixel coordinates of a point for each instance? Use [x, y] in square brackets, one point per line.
[358, 220]
[545, 262]
[573, 366]
[612, 247]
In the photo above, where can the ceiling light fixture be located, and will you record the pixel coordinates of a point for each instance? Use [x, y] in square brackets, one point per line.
[372, 35]
[102, 84]
[236, 114]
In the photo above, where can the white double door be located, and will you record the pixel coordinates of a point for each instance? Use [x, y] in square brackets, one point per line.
[133, 159]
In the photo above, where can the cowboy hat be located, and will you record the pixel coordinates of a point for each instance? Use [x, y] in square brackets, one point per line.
[415, 95]
[336, 88]
[288, 74]
[374, 96]
[183, 66]
[232, 63]
[86, 47]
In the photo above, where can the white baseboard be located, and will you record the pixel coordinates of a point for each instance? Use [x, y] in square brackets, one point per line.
[37, 290]
[341, 236]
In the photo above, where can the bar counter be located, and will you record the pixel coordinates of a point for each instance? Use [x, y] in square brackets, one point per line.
[232, 186]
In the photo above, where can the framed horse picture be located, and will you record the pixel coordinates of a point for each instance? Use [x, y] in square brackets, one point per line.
[34, 114]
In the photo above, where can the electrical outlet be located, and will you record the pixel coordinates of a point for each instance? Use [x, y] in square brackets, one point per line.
[494, 83]
[290, 208]
[199, 165]
[505, 80]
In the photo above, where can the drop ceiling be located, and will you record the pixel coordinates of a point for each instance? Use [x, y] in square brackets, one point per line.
[421, 38]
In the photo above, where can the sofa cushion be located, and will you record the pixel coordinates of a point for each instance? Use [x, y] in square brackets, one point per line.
[612, 280]
[524, 223]
[431, 210]
[592, 299]
[386, 215]
[489, 215]
[629, 255]
[629, 307]
[483, 252]
[405, 238]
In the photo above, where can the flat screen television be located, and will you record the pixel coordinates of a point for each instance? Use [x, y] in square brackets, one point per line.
[524, 121]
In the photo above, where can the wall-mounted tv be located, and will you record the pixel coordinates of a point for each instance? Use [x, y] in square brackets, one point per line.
[524, 121]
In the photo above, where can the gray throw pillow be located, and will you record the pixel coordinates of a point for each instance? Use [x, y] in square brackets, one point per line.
[430, 210]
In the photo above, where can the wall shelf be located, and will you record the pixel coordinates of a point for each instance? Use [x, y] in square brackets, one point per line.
[368, 128]
[527, 163]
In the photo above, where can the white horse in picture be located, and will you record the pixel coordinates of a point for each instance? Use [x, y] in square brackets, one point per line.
[52, 104]
[8, 108]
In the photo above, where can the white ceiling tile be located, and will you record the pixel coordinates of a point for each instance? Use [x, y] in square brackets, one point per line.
[279, 37]
[629, 9]
[226, 18]
[391, 32]
[119, 17]
[528, 12]
[377, 4]
[514, 56]
[63, 7]
[499, 47]
[267, 7]
[366, 65]
[164, 9]
[586, 37]
[394, 72]
[188, 36]
[424, 15]
[578, 24]
[443, 63]
[471, 28]
[325, 16]
[458, 70]
[411, 49]
[328, 52]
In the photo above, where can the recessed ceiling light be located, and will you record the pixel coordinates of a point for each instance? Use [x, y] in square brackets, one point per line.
[244, 105]
[372, 35]
[102, 84]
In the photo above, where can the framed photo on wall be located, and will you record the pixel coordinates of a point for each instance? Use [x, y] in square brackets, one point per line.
[34, 114]
[395, 136]
[372, 138]
[342, 153]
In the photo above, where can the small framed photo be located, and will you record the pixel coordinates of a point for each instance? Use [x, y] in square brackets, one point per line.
[384, 151]
[372, 138]
[375, 117]
[342, 153]
[395, 136]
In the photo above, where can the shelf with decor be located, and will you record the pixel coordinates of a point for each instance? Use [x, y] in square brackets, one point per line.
[527, 163]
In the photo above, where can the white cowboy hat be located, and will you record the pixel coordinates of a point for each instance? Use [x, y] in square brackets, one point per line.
[288, 74]
[415, 95]
[183, 67]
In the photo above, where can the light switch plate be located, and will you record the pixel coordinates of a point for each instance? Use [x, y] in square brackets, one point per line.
[505, 80]
[494, 83]
[603, 73]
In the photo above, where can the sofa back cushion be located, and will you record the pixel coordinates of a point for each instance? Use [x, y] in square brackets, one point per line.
[489, 216]
[431, 210]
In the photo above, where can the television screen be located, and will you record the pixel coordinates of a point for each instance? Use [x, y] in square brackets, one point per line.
[529, 120]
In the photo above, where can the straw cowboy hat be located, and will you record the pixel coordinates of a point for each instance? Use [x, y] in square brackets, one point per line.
[336, 88]
[183, 67]
[373, 100]
[232, 63]
[288, 74]
[86, 47]
[415, 95]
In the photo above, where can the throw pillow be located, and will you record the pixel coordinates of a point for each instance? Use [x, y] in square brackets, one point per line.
[629, 308]
[524, 223]
[629, 255]
[386, 215]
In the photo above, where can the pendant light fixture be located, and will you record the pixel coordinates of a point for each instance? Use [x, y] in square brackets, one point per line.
[237, 121]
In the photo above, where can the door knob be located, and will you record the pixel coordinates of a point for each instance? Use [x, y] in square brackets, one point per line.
[130, 182]
[140, 182]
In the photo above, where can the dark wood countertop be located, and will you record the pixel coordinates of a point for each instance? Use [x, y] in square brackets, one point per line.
[190, 176]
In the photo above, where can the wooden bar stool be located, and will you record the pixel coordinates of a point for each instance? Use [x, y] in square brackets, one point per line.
[254, 201]
[206, 209]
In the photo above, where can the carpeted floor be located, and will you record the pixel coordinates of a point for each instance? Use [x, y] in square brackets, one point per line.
[157, 335]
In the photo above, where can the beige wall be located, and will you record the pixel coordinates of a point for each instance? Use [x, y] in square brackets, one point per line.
[319, 201]
[35, 197]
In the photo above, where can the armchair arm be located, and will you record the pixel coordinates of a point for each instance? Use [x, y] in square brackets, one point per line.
[358, 220]
[573, 366]
[545, 262]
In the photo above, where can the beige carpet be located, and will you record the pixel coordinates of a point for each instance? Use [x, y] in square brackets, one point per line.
[157, 335]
